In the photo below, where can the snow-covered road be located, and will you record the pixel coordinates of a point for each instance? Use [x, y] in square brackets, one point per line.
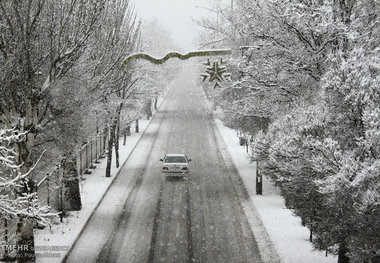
[145, 217]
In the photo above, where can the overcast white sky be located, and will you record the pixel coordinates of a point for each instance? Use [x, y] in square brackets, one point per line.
[176, 16]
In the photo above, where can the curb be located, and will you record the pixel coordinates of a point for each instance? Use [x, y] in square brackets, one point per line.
[113, 178]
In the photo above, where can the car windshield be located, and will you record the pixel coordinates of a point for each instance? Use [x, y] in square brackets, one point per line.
[175, 159]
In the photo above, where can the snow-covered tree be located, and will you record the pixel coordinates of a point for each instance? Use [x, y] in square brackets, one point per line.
[14, 201]
[326, 158]
[280, 48]
[40, 42]
[311, 68]
[18, 199]
[352, 96]
[116, 36]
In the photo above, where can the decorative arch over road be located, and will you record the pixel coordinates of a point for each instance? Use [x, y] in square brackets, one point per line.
[200, 53]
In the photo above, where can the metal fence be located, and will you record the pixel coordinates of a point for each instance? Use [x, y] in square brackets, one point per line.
[96, 148]
[49, 189]
[92, 151]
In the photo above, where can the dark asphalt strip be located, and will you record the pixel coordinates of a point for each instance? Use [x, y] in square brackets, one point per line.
[167, 218]
[156, 224]
[201, 243]
[190, 251]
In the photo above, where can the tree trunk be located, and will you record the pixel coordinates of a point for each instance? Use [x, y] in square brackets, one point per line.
[72, 199]
[117, 131]
[25, 149]
[104, 140]
[124, 136]
[137, 126]
[24, 240]
[109, 153]
[61, 207]
[24, 233]
[342, 254]
[148, 108]
[311, 234]
[3, 250]
[311, 230]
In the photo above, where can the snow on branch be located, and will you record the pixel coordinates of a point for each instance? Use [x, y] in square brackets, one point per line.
[19, 175]
[25, 206]
[16, 199]
[199, 53]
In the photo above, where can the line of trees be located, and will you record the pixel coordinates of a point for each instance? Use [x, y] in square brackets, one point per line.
[61, 83]
[306, 85]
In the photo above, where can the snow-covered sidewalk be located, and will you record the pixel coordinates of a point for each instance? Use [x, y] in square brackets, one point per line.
[289, 237]
[52, 244]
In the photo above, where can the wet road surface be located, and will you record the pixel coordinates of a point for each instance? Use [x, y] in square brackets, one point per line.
[147, 217]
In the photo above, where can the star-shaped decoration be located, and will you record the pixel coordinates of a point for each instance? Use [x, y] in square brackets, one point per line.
[215, 72]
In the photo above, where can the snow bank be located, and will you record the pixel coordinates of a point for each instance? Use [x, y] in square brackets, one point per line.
[289, 237]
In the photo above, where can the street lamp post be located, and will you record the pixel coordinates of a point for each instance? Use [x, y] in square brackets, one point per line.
[259, 180]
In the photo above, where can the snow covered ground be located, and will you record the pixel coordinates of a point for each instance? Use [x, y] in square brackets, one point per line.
[289, 237]
[52, 244]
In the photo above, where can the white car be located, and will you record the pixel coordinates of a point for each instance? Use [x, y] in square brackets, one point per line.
[176, 164]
